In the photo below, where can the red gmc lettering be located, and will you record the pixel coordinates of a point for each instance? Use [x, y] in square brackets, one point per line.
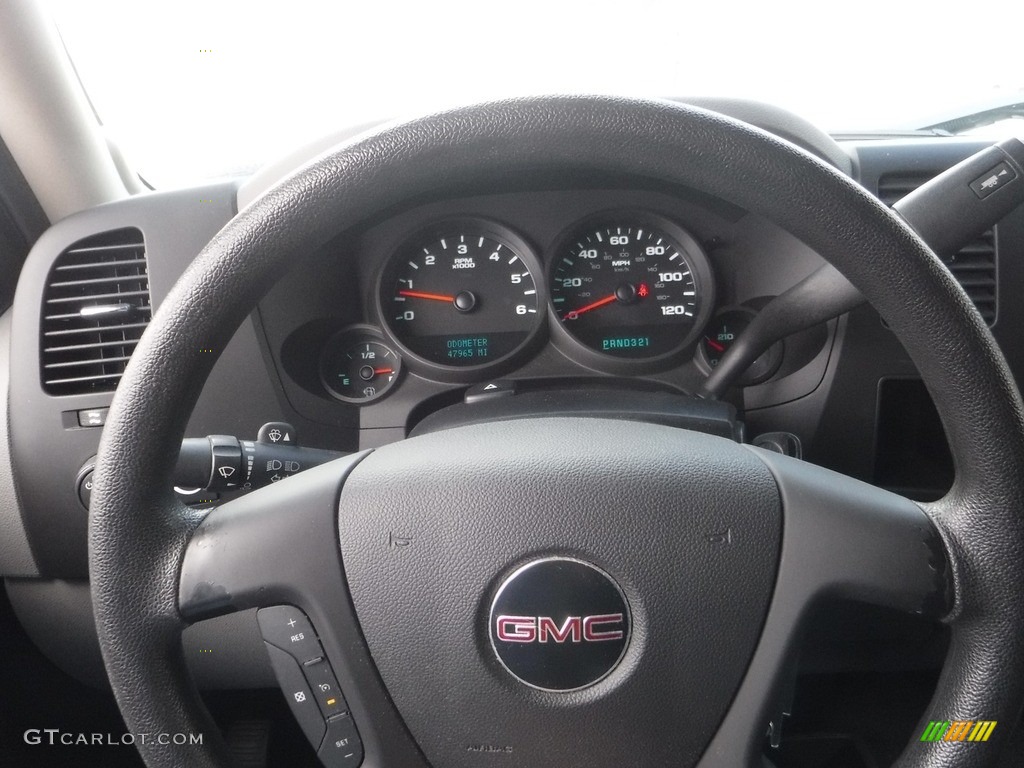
[592, 627]
[575, 629]
[546, 626]
[517, 629]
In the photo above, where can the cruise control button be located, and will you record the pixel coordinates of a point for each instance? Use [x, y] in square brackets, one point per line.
[298, 694]
[288, 628]
[342, 747]
[325, 688]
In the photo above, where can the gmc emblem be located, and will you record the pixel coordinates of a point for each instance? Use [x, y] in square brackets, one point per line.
[559, 624]
[575, 629]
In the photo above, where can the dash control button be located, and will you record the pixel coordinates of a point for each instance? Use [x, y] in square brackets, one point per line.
[342, 747]
[990, 181]
[288, 628]
[492, 390]
[93, 417]
[84, 485]
[298, 694]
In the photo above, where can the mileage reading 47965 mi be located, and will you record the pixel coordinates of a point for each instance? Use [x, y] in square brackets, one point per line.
[462, 347]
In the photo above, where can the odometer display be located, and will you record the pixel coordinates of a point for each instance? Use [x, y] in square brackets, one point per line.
[461, 295]
[631, 290]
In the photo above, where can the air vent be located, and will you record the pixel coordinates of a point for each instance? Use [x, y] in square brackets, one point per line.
[974, 265]
[95, 308]
[895, 186]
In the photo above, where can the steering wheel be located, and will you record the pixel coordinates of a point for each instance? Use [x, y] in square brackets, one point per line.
[565, 593]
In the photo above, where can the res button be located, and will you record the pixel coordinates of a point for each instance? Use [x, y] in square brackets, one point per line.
[288, 628]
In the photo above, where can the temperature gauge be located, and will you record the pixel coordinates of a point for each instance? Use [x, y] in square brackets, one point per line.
[720, 334]
[357, 367]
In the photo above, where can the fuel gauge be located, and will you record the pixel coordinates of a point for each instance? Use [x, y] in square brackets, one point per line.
[358, 367]
[722, 332]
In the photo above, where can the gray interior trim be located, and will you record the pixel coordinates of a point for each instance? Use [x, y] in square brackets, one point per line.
[132, 181]
[46, 120]
[15, 553]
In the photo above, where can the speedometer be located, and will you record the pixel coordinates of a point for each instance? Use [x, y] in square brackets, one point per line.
[632, 286]
[462, 295]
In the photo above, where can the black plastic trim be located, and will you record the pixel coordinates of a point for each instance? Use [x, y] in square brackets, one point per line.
[712, 418]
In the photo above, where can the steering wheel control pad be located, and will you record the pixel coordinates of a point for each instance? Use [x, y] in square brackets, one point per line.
[687, 525]
[310, 686]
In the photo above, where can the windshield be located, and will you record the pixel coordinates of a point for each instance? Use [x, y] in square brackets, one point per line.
[197, 90]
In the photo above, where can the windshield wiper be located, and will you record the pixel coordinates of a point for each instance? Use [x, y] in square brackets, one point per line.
[978, 119]
[887, 133]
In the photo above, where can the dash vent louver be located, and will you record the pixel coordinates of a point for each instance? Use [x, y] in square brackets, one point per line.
[95, 307]
[974, 265]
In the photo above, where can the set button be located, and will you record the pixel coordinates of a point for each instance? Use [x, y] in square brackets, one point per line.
[342, 747]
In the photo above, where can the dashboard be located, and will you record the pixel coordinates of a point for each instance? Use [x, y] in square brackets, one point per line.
[585, 288]
[546, 288]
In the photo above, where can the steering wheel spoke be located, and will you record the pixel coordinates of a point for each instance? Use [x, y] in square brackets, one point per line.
[276, 549]
[275, 546]
[842, 539]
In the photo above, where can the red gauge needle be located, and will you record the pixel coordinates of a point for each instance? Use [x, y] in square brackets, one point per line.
[599, 303]
[382, 371]
[714, 345]
[432, 296]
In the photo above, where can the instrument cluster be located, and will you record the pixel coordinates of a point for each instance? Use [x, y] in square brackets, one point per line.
[623, 291]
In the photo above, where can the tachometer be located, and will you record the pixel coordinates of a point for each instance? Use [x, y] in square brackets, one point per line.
[461, 295]
[632, 286]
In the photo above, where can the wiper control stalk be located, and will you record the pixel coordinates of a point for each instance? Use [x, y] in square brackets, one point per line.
[224, 463]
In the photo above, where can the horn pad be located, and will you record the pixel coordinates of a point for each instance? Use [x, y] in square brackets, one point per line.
[578, 587]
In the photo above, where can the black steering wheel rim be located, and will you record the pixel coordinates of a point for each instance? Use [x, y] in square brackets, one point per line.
[138, 531]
